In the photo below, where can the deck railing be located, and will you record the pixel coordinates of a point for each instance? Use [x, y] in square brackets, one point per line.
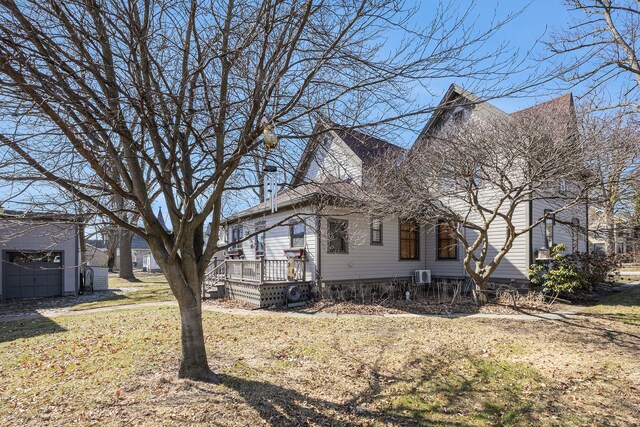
[258, 271]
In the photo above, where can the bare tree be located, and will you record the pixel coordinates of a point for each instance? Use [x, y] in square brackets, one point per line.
[475, 176]
[178, 90]
[616, 139]
[601, 47]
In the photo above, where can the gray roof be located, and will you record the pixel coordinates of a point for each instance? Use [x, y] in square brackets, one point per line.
[367, 147]
[138, 242]
[327, 190]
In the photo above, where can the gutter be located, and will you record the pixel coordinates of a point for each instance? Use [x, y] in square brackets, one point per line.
[77, 250]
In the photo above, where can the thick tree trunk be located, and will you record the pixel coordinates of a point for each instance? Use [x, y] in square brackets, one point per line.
[112, 246]
[126, 259]
[194, 364]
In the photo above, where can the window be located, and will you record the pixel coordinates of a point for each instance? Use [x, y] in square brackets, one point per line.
[409, 238]
[575, 230]
[549, 223]
[236, 236]
[296, 234]
[34, 257]
[338, 236]
[447, 245]
[376, 231]
[563, 186]
[260, 237]
[476, 174]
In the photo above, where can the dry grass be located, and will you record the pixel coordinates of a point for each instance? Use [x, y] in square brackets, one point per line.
[117, 368]
[622, 306]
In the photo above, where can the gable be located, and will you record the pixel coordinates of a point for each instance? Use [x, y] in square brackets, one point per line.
[457, 100]
[332, 157]
[339, 152]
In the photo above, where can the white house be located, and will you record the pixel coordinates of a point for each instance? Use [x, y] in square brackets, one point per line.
[361, 248]
[40, 254]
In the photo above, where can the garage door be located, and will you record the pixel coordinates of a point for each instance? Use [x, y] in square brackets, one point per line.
[32, 274]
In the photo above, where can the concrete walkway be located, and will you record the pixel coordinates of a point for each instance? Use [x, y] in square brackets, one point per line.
[268, 313]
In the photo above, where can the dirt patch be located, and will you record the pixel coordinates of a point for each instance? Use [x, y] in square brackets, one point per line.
[424, 307]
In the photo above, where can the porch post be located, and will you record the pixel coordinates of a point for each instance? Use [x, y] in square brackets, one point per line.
[262, 265]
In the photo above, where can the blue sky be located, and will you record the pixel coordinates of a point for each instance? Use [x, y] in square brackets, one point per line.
[538, 20]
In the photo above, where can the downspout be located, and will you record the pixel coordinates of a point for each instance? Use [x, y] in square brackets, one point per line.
[318, 250]
[586, 226]
[530, 232]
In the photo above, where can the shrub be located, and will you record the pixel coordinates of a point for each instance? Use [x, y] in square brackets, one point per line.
[560, 275]
[597, 266]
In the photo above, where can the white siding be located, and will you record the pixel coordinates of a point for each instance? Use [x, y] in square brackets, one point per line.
[365, 261]
[277, 237]
[38, 237]
[333, 157]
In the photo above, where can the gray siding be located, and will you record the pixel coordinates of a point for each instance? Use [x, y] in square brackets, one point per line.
[562, 231]
[47, 236]
[334, 158]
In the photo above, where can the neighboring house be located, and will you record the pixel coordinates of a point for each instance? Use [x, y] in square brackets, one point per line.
[332, 246]
[96, 254]
[142, 256]
[626, 238]
[40, 254]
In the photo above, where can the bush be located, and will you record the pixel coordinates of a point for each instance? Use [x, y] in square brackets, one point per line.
[560, 275]
[597, 266]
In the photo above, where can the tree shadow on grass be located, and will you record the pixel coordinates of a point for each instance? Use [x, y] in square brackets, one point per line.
[423, 391]
[31, 305]
[13, 330]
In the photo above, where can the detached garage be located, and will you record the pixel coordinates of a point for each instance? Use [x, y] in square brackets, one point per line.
[40, 255]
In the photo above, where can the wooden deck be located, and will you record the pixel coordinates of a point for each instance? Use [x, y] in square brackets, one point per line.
[262, 283]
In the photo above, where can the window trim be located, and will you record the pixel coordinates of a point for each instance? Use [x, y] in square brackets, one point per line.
[417, 240]
[371, 241]
[237, 244]
[455, 243]
[304, 233]
[345, 238]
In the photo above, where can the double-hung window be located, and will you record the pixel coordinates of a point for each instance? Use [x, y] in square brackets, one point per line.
[236, 236]
[409, 240]
[338, 236]
[376, 231]
[260, 226]
[447, 245]
[296, 234]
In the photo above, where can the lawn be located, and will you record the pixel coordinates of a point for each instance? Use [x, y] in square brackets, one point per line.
[622, 306]
[118, 368]
[146, 288]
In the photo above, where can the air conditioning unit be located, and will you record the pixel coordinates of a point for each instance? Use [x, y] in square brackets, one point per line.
[422, 276]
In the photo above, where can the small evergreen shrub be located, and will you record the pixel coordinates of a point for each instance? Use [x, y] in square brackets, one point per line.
[560, 275]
